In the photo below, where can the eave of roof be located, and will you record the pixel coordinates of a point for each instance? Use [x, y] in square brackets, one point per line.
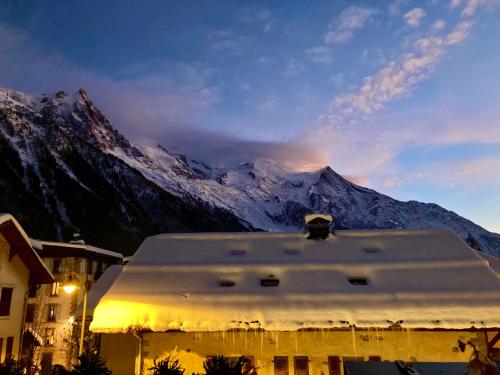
[20, 245]
[55, 249]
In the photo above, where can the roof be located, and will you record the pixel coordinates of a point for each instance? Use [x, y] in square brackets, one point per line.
[54, 249]
[100, 288]
[415, 279]
[20, 245]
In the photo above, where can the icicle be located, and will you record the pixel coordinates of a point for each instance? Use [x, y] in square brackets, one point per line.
[354, 340]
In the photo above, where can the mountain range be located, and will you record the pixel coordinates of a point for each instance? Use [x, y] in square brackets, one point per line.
[65, 168]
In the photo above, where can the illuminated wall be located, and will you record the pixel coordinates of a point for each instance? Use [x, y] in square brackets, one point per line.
[120, 350]
[13, 274]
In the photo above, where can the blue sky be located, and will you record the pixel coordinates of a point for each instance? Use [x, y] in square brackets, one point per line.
[401, 96]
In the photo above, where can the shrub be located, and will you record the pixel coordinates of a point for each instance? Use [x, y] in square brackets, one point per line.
[11, 367]
[88, 364]
[60, 370]
[166, 367]
[223, 366]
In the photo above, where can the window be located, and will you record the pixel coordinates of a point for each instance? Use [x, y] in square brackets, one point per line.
[57, 266]
[9, 346]
[1, 347]
[49, 336]
[301, 365]
[30, 313]
[238, 252]
[90, 267]
[52, 312]
[227, 283]
[269, 281]
[55, 289]
[334, 365]
[46, 364]
[5, 300]
[32, 290]
[358, 280]
[280, 365]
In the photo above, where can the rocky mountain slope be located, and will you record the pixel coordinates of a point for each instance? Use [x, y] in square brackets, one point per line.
[64, 166]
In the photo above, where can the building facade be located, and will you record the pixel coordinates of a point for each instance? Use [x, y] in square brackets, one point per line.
[299, 306]
[20, 266]
[50, 312]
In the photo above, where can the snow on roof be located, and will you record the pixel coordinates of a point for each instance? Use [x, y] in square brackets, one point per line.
[419, 279]
[24, 249]
[100, 288]
[493, 262]
[39, 245]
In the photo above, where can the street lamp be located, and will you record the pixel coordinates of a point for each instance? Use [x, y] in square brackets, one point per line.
[74, 282]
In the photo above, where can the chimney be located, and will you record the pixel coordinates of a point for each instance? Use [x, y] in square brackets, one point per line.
[318, 226]
[77, 239]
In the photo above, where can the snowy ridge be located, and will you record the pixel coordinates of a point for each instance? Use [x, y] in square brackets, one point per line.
[262, 194]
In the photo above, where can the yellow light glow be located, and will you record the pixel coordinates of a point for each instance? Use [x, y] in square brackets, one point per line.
[71, 320]
[69, 288]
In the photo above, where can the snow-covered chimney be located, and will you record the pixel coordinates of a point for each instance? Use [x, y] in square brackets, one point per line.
[77, 239]
[318, 226]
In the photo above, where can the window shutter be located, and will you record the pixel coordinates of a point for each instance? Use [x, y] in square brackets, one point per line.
[301, 366]
[30, 313]
[334, 365]
[58, 312]
[1, 347]
[280, 365]
[5, 301]
[9, 346]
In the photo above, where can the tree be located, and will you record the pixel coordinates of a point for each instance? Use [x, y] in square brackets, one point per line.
[11, 367]
[89, 363]
[166, 367]
[479, 363]
[219, 365]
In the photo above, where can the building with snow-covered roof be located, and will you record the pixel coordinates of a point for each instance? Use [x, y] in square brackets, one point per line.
[20, 267]
[290, 302]
[50, 312]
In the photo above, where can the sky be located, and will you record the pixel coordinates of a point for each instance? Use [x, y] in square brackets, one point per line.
[400, 96]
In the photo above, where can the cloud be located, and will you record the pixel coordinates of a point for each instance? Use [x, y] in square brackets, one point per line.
[294, 67]
[264, 17]
[268, 104]
[438, 25]
[320, 54]
[472, 6]
[414, 16]
[398, 77]
[227, 42]
[350, 19]
[459, 33]
[395, 7]
[223, 150]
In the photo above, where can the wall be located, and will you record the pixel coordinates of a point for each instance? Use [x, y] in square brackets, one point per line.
[13, 274]
[66, 343]
[192, 348]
